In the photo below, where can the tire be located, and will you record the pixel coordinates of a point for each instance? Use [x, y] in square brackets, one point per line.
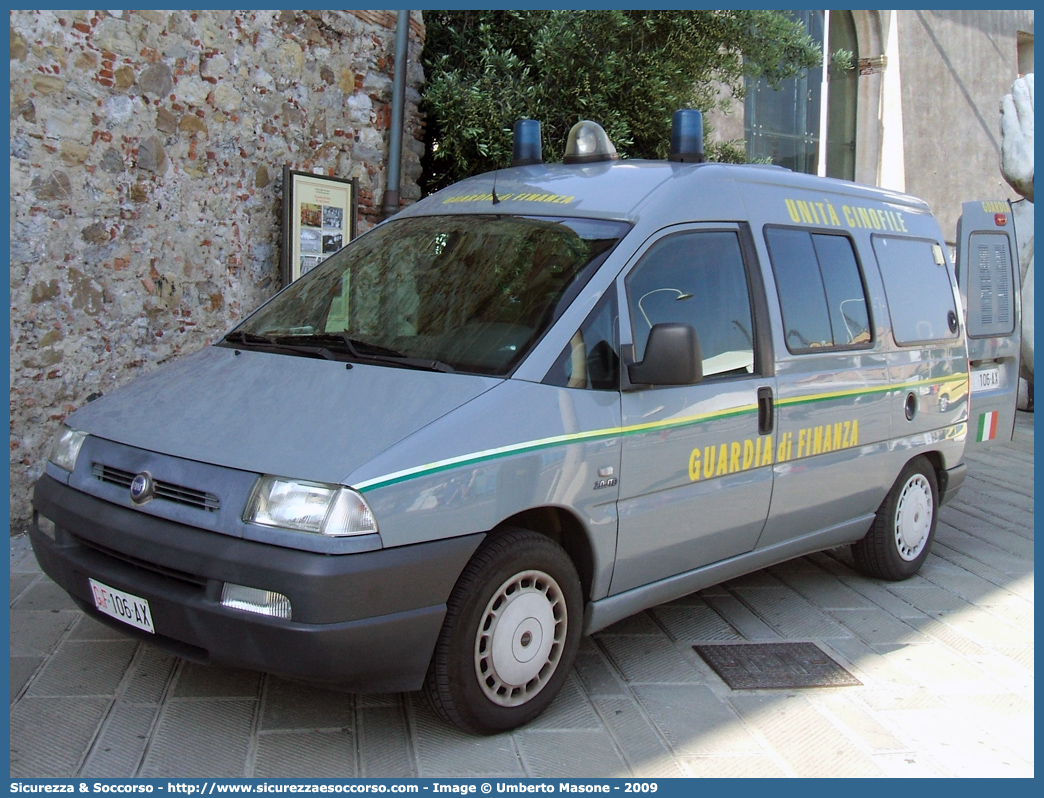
[510, 635]
[904, 528]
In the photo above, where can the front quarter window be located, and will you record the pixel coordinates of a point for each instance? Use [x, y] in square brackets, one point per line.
[457, 293]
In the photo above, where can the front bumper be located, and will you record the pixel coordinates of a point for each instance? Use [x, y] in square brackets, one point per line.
[366, 622]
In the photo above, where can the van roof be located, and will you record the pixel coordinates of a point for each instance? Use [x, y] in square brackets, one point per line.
[628, 189]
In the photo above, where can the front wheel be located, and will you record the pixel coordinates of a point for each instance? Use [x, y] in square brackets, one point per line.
[510, 635]
[898, 542]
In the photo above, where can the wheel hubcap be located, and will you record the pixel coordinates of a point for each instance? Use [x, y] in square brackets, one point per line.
[520, 639]
[913, 517]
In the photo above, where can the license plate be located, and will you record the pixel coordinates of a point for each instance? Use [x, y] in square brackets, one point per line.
[123, 606]
[985, 380]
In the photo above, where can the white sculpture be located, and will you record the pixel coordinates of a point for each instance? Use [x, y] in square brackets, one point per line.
[1017, 168]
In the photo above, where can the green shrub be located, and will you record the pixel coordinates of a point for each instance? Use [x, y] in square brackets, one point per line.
[627, 70]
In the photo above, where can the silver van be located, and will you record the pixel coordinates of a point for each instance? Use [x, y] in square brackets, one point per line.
[530, 405]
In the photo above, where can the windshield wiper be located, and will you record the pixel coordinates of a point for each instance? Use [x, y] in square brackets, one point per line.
[364, 351]
[269, 343]
[244, 337]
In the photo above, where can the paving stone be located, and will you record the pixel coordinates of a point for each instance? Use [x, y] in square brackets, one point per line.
[875, 626]
[762, 578]
[641, 745]
[640, 624]
[649, 659]
[385, 750]
[574, 754]
[880, 595]
[1020, 655]
[860, 723]
[367, 700]
[570, 711]
[802, 737]
[971, 587]
[19, 583]
[740, 617]
[84, 668]
[149, 676]
[23, 561]
[201, 681]
[930, 599]
[694, 720]
[988, 573]
[21, 669]
[905, 699]
[819, 586]
[44, 595]
[941, 670]
[306, 755]
[88, 628]
[443, 750]
[598, 675]
[908, 765]
[986, 553]
[289, 706]
[1007, 676]
[118, 750]
[694, 623]
[936, 630]
[732, 767]
[38, 632]
[50, 736]
[201, 738]
[973, 753]
[1007, 717]
[791, 615]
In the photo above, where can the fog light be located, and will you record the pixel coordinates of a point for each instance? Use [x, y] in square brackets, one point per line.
[252, 599]
[45, 525]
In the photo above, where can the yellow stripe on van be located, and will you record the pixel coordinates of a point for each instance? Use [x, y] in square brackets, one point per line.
[522, 447]
[957, 382]
[546, 443]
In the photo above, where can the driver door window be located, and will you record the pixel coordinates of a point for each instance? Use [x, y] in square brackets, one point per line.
[698, 279]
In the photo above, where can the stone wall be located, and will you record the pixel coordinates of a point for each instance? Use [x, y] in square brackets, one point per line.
[147, 150]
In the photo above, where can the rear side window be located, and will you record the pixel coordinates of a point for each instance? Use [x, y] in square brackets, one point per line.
[918, 289]
[821, 292]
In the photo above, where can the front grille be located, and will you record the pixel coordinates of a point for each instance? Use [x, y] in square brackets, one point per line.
[143, 565]
[164, 490]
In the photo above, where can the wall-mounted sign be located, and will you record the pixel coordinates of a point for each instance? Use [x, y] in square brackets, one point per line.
[318, 219]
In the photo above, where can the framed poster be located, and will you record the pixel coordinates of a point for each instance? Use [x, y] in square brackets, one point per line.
[319, 217]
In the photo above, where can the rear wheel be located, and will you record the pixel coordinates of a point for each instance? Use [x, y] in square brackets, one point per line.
[898, 542]
[510, 636]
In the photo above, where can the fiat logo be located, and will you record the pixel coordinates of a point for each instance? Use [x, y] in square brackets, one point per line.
[142, 488]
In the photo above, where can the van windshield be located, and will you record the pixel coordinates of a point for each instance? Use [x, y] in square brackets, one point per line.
[447, 293]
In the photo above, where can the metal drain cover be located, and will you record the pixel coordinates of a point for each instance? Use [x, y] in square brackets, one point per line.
[781, 666]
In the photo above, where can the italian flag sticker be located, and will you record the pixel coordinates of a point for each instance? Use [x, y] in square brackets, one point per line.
[987, 426]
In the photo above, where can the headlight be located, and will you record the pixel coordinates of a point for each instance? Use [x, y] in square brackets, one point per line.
[66, 447]
[332, 510]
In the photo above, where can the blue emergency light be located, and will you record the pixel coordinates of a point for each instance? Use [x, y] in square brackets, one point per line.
[687, 136]
[525, 148]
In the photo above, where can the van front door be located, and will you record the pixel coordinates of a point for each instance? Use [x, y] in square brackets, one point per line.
[988, 276]
[696, 474]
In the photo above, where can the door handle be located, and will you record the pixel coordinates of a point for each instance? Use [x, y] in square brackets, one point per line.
[766, 416]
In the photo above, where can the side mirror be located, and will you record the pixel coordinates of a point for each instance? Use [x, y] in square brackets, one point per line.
[672, 357]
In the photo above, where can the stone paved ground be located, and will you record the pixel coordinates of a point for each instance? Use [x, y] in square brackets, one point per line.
[945, 660]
